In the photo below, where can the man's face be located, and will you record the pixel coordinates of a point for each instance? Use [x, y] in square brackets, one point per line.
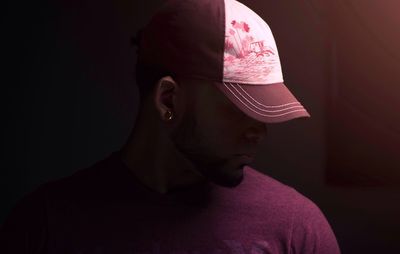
[214, 134]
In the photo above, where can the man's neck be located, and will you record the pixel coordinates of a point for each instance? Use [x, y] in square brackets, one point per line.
[153, 158]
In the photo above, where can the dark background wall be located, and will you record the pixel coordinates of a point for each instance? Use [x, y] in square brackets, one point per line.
[69, 99]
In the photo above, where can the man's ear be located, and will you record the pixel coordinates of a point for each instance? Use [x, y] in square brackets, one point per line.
[167, 98]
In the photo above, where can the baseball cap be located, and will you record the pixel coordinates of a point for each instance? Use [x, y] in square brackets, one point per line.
[225, 42]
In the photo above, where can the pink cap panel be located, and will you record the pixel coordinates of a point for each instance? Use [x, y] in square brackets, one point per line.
[250, 52]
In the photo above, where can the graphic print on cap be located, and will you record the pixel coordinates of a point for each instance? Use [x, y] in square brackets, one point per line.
[250, 52]
[252, 74]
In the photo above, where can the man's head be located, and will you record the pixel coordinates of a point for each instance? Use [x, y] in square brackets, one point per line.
[214, 65]
[223, 42]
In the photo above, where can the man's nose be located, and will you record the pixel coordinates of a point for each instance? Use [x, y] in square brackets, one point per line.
[256, 132]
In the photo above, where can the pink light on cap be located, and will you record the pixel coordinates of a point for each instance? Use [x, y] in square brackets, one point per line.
[225, 42]
[252, 77]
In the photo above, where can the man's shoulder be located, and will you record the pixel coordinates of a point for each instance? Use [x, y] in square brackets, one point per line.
[310, 230]
[266, 188]
[85, 181]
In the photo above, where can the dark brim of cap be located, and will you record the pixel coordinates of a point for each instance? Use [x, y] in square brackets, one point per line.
[270, 103]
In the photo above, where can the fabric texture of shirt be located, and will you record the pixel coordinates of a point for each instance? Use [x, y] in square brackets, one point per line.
[105, 209]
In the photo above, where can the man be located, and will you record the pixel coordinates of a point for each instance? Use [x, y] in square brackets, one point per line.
[210, 80]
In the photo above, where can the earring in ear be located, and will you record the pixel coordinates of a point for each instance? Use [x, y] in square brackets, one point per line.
[168, 115]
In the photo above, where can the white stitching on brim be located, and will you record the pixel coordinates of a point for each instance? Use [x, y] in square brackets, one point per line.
[275, 106]
[259, 103]
[268, 115]
[265, 110]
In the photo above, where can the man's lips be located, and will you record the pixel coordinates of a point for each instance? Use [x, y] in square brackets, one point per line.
[250, 154]
[247, 157]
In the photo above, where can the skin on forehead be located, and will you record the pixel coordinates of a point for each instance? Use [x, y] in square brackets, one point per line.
[210, 103]
[205, 94]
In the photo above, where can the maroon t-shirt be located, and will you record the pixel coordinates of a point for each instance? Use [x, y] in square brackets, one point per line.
[105, 209]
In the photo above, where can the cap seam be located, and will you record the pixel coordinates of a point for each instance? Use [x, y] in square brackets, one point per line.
[223, 20]
[251, 83]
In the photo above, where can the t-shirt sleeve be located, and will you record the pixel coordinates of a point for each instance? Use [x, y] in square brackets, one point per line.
[24, 230]
[311, 232]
